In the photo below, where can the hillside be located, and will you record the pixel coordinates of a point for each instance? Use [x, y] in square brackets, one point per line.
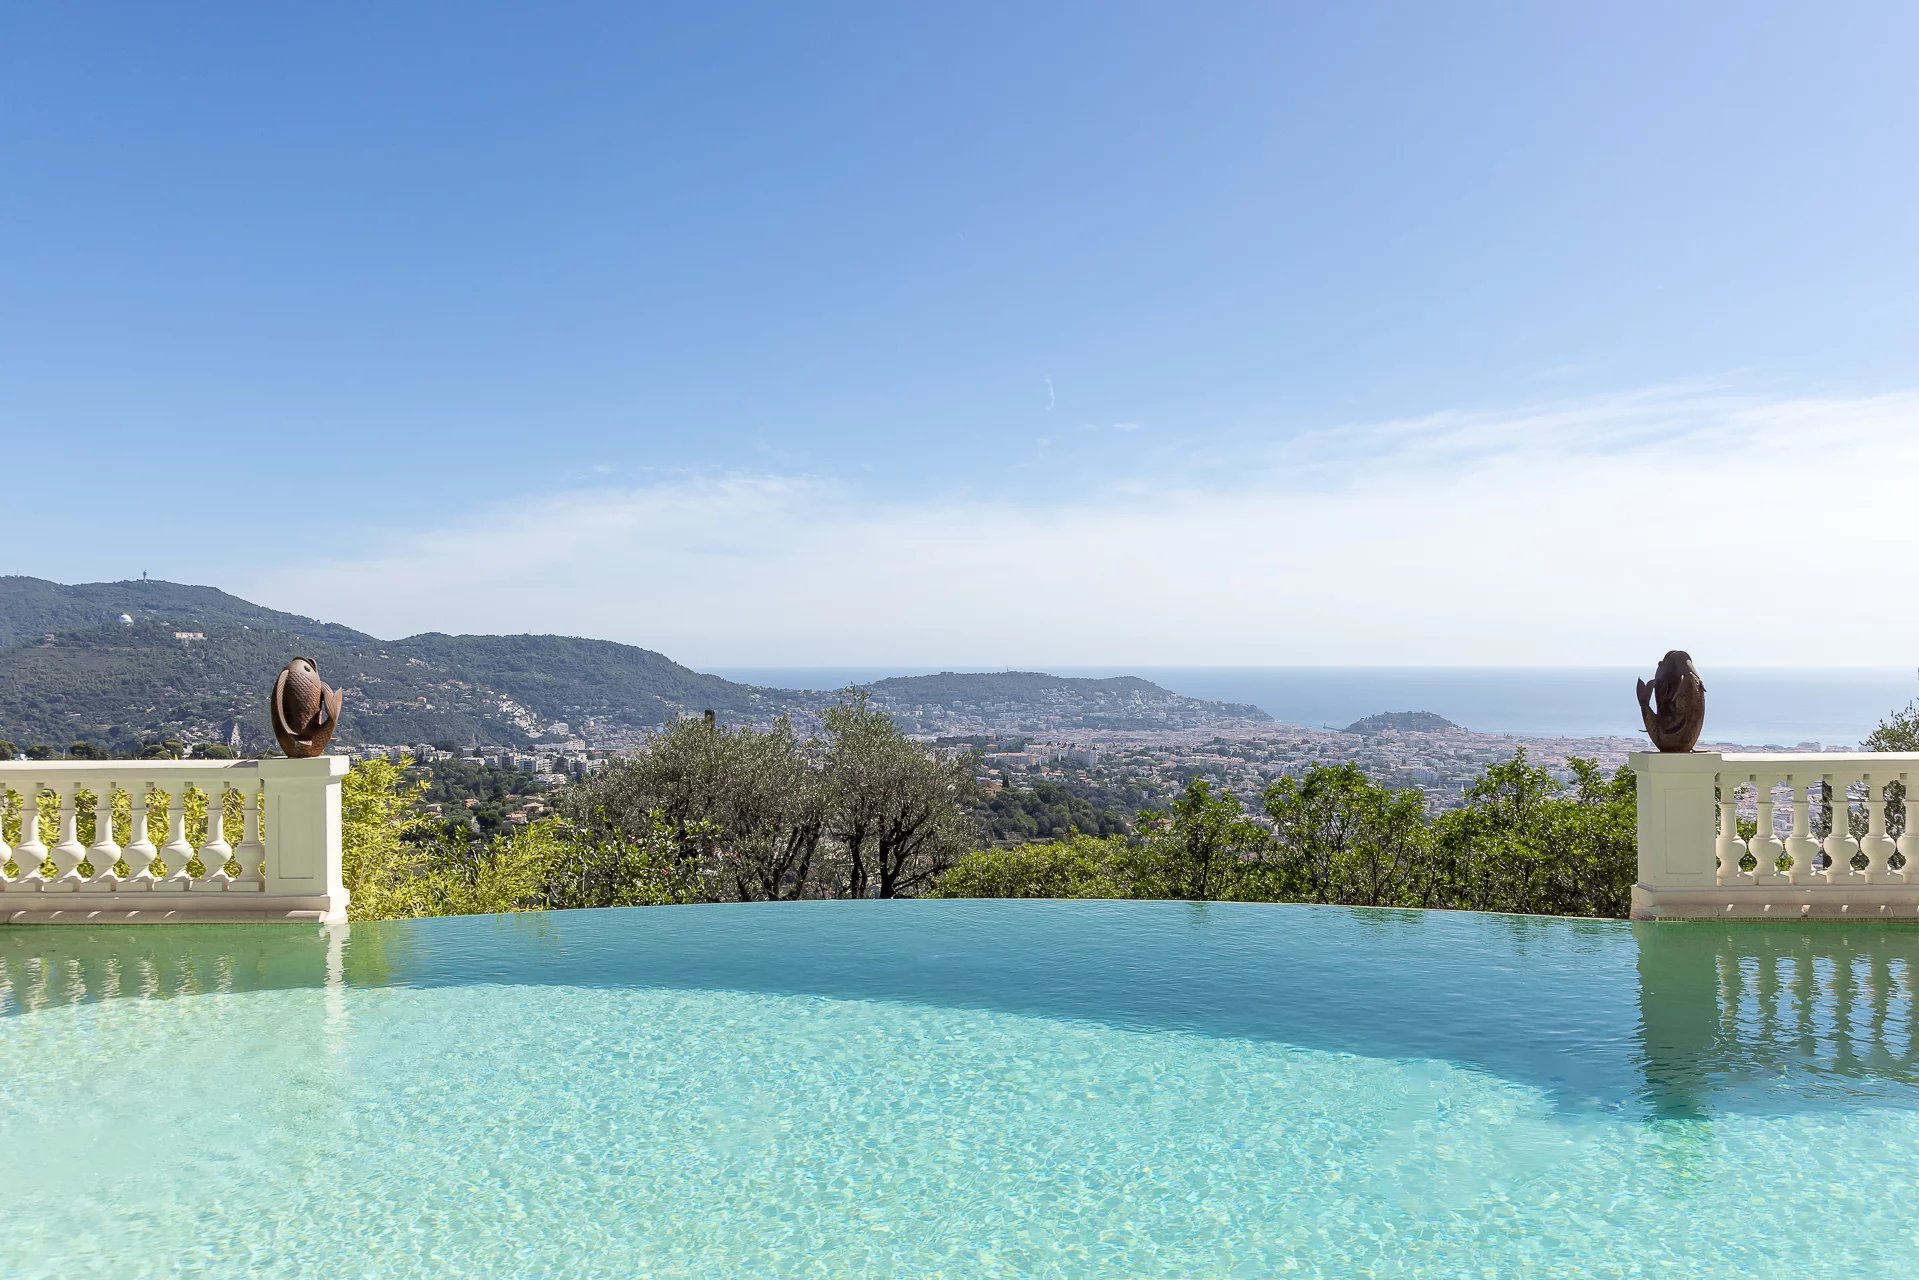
[71, 670]
[959, 702]
[31, 608]
[190, 661]
[1400, 722]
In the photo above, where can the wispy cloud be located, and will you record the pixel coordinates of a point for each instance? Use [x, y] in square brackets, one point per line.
[1051, 399]
[1605, 530]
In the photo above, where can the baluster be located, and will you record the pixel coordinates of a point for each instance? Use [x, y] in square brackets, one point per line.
[178, 850]
[104, 851]
[68, 853]
[1729, 846]
[1766, 847]
[1878, 846]
[1800, 846]
[6, 849]
[31, 851]
[250, 852]
[1840, 844]
[1909, 839]
[215, 850]
[139, 853]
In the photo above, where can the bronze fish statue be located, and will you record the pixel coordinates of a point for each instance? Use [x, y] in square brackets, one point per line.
[305, 710]
[1674, 722]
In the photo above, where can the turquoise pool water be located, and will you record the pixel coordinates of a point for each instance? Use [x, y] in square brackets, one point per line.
[960, 1088]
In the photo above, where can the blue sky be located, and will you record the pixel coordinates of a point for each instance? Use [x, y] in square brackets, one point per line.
[945, 334]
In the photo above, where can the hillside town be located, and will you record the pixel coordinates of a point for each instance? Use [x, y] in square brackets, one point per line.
[1439, 763]
[1243, 758]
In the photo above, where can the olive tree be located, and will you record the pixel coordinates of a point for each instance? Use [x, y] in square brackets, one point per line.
[897, 812]
[744, 808]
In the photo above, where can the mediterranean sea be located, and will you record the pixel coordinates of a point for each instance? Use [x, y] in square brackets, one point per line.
[1750, 706]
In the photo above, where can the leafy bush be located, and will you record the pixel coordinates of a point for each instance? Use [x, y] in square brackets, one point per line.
[1523, 842]
[1079, 866]
[397, 861]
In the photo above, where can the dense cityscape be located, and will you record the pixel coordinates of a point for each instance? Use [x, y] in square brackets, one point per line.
[1118, 771]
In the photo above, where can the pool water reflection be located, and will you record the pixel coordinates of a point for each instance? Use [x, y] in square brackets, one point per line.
[963, 1088]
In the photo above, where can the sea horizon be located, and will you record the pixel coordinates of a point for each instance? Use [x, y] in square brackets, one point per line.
[1750, 706]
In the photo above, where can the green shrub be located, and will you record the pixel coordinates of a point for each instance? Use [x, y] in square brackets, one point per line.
[1079, 866]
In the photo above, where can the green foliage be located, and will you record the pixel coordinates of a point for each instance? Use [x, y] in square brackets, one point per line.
[1080, 866]
[1338, 836]
[494, 793]
[710, 814]
[762, 815]
[742, 809]
[541, 866]
[380, 818]
[894, 808]
[1897, 732]
[1199, 847]
[1523, 842]
[397, 863]
[510, 874]
[1015, 814]
[706, 813]
[613, 870]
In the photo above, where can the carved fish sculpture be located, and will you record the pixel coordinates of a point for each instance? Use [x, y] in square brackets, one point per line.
[1673, 722]
[305, 710]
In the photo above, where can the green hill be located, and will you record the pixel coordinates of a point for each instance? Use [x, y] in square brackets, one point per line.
[71, 670]
[1400, 722]
[31, 608]
[117, 663]
[1013, 700]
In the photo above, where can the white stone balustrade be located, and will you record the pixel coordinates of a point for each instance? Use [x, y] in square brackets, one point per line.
[1694, 863]
[285, 864]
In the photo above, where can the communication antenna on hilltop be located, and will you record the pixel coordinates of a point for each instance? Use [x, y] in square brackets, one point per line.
[143, 575]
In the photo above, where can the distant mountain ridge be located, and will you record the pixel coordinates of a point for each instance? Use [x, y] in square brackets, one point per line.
[31, 608]
[115, 663]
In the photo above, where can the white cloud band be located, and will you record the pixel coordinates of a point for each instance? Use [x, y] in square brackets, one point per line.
[1751, 531]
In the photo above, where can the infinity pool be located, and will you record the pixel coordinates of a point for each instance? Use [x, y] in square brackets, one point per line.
[960, 1088]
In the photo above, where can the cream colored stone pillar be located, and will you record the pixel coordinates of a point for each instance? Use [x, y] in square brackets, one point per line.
[303, 856]
[1676, 829]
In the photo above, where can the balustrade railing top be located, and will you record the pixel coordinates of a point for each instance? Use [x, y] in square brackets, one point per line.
[138, 841]
[1770, 834]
